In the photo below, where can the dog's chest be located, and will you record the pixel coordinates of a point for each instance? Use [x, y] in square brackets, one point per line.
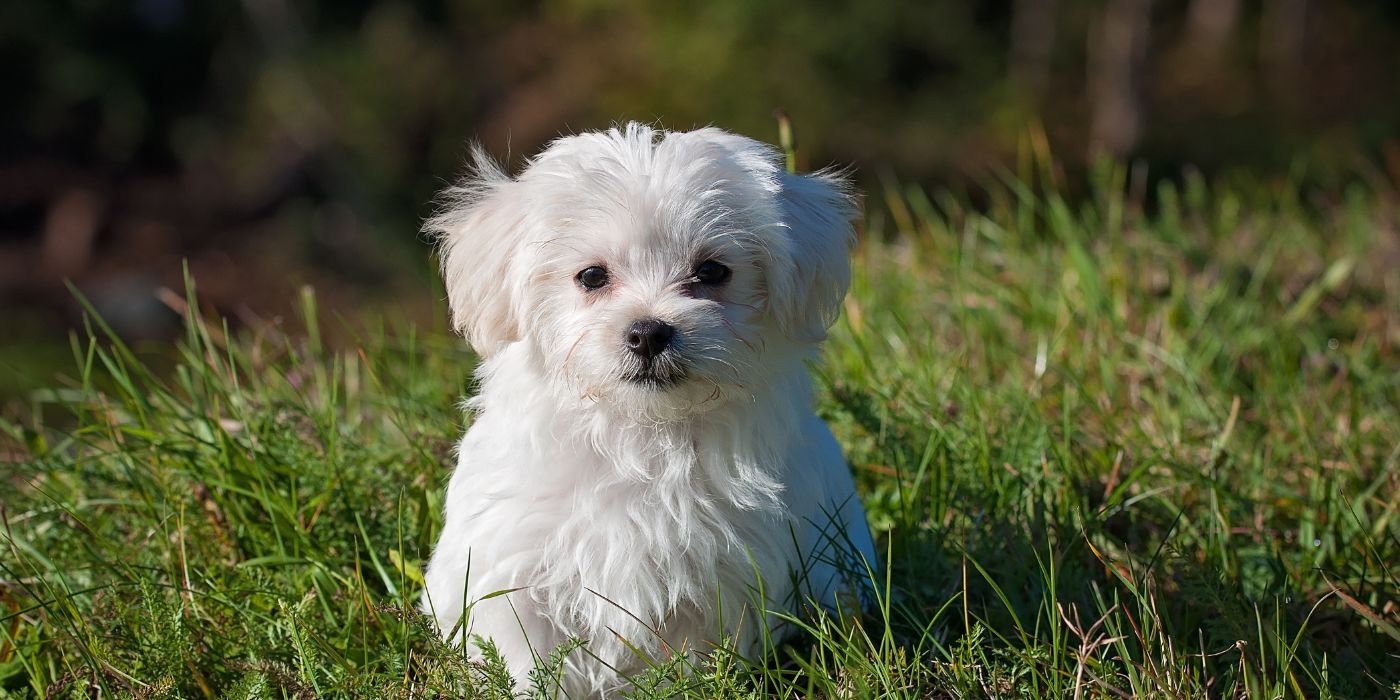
[661, 550]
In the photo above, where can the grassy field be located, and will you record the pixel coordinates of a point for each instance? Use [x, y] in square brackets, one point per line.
[1109, 454]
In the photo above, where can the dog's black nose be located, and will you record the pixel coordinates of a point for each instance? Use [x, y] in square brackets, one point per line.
[648, 338]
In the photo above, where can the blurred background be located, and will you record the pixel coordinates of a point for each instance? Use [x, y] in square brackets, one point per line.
[277, 143]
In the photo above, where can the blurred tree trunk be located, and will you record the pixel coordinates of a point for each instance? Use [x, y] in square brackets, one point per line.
[1210, 24]
[70, 232]
[1032, 45]
[1117, 52]
[1282, 33]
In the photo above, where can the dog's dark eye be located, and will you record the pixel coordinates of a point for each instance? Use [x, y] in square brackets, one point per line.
[593, 277]
[711, 272]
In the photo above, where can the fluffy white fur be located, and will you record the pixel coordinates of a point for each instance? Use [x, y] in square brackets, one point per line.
[649, 517]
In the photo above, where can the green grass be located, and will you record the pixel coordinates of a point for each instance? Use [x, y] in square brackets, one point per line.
[1109, 454]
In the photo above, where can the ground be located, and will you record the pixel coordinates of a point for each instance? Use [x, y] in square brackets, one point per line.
[1142, 442]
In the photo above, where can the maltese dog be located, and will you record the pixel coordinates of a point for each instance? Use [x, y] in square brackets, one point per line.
[645, 476]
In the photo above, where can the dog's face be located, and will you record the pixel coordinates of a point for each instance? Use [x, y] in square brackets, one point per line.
[657, 273]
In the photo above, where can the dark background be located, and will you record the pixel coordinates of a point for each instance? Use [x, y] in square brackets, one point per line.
[277, 143]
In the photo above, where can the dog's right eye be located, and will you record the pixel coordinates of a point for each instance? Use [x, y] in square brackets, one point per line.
[593, 277]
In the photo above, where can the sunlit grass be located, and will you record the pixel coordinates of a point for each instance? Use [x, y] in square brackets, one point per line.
[1109, 454]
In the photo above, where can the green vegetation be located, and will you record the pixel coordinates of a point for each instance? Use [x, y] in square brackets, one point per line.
[1110, 454]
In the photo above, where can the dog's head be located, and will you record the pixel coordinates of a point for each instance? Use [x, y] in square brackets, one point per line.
[647, 269]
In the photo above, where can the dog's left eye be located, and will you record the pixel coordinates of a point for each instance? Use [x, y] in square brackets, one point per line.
[711, 272]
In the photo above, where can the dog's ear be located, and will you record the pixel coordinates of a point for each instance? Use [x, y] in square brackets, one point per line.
[478, 230]
[808, 283]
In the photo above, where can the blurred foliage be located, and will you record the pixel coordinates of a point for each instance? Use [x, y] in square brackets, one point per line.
[386, 90]
[276, 142]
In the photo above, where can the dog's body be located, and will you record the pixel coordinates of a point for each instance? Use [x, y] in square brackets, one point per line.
[645, 472]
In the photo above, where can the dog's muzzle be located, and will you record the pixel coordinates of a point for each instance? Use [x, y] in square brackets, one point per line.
[657, 365]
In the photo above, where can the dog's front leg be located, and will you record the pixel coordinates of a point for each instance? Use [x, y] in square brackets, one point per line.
[520, 632]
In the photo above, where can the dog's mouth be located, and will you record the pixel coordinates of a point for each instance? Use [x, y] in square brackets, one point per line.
[657, 375]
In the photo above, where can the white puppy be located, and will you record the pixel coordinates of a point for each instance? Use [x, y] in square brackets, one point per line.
[645, 472]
